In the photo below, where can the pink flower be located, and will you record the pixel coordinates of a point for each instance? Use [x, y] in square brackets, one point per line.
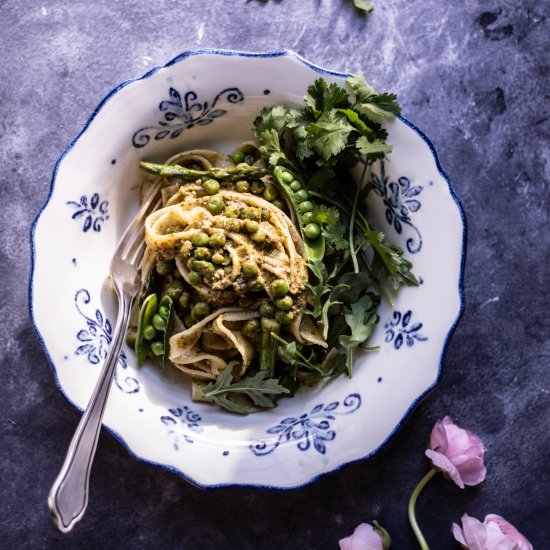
[366, 537]
[495, 533]
[456, 452]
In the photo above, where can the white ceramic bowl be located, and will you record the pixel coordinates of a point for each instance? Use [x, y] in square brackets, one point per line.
[209, 99]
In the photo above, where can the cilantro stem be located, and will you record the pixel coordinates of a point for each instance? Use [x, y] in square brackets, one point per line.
[352, 221]
[412, 503]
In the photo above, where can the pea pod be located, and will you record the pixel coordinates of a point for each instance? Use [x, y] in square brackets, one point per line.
[148, 309]
[167, 303]
[314, 247]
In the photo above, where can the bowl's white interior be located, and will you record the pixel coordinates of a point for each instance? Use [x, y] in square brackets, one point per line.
[67, 259]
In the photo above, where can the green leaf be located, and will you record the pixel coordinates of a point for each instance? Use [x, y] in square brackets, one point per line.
[364, 5]
[334, 235]
[373, 149]
[257, 388]
[270, 148]
[359, 87]
[322, 97]
[362, 320]
[369, 102]
[272, 118]
[325, 214]
[358, 123]
[329, 135]
[397, 268]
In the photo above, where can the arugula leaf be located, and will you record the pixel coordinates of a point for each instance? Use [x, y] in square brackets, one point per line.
[362, 320]
[257, 388]
[397, 268]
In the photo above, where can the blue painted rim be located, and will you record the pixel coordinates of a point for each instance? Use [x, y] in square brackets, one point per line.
[321, 70]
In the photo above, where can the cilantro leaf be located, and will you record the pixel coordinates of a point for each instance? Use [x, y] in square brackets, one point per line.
[397, 268]
[334, 235]
[272, 118]
[325, 214]
[256, 387]
[270, 148]
[364, 5]
[369, 102]
[362, 320]
[322, 96]
[373, 149]
[329, 135]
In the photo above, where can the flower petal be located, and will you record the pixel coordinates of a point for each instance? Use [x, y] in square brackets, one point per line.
[441, 462]
[475, 533]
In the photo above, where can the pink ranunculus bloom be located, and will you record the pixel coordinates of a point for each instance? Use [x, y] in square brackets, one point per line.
[456, 452]
[364, 538]
[495, 533]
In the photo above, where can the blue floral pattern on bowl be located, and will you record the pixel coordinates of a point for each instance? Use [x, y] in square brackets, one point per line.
[400, 198]
[182, 115]
[181, 421]
[93, 210]
[95, 340]
[400, 330]
[313, 428]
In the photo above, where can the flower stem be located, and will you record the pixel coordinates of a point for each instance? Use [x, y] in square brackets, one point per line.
[412, 503]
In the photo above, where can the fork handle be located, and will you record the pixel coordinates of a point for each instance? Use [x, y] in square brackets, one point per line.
[68, 497]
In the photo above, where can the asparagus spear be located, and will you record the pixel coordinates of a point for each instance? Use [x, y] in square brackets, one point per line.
[228, 174]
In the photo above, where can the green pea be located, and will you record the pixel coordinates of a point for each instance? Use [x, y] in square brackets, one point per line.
[237, 157]
[270, 192]
[295, 185]
[157, 348]
[164, 311]
[267, 309]
[284, 303]
[245, 301]
[211, 186]
[215, 204]
[201, 309]
[217, 240]
[131, 336]
[195, 278]
[149, 332]
[258, 237]
[232, 211]
[202, 253]
[185, 248]
[173, 229]
[257, 187]
[307, 218]
[184, 298]
[256, 286]
[242, 186]
[279, 203]
[159, 322]
[284, 317]
[174, 290]
[199, 239]
[312, 230]
[302, 195]
[164, 267]
[251, 213]
[306, 206]
[218, 258]
[279, 288]
[251, 328]
[233, 225]
[287, 177]
[203, 267]
[269, 325]
[250, 269]
[252, 226]
[189, 321]
[249, 159]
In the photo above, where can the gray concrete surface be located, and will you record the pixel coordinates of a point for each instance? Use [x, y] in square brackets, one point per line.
[474, 76]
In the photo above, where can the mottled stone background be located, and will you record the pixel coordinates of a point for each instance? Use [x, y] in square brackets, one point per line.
[472, 74]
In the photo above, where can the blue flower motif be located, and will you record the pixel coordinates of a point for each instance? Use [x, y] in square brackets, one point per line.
[313, 428]
[94, 212]
[95, 340]
[180, 116]
[400, 330]
[400, 199]
[180, 421]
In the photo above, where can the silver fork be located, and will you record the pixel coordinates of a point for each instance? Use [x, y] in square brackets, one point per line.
[68, 497]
